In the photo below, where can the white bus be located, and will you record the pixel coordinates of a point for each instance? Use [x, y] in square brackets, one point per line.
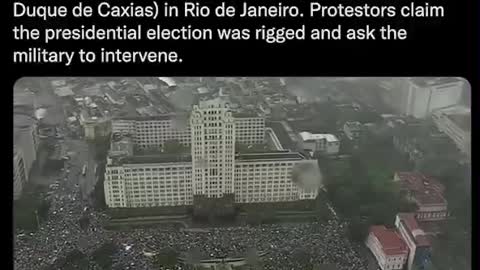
[84, 170]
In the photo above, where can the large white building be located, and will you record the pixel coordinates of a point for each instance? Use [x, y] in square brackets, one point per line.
[152, 132]
[419, 97]
[416, 239]
[213, 170]
[456, 123]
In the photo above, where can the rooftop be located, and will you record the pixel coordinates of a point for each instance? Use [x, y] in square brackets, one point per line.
[148, 159]
[414, 230]
[161, 117]
[429, 198]
[279, 155]
[307, 136]
[391, 242]
[461, 120]
[282, 135]
[434, 81]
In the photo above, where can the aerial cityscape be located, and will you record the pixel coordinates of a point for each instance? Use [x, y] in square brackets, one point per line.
[234, 173]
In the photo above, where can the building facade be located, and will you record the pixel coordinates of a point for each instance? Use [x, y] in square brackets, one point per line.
[323, 143]
[456, 124]
[388, 248]
[249, 129]
[19, 174]
[153, 132]
[269, 177]
[416, 240]
[213, 170]
[163, 181]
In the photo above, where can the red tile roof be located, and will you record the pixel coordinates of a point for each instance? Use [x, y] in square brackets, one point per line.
[429, 198]
[425, 190]
[417, 233]
[416, 181]
[391, 242]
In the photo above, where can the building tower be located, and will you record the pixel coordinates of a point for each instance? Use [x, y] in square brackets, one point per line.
[213, 148]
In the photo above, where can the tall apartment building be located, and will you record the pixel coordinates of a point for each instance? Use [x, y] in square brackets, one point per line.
[152, 132]
[419, 97]
[213, 169]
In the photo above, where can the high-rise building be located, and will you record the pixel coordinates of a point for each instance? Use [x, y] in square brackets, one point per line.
[416, 240]
[213, 148]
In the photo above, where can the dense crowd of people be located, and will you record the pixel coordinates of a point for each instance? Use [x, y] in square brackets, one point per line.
[73, 226]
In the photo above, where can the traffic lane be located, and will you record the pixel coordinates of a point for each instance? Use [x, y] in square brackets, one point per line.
[84, 156]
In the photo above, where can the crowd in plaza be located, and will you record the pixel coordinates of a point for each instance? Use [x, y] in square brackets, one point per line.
[72, 226]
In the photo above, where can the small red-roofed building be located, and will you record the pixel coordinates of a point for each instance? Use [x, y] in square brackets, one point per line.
[388, 247]
[416, 240]
[426, 193]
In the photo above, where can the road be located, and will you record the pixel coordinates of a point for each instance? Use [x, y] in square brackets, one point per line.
[79, 150]
[82, 154]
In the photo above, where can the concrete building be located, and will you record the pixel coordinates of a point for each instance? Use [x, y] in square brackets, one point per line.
[416, 240]
[456, 123]
[152, 132]
[24, 156]
[213, 170]
[388, 248]
[213, 148]
[419, 97]
[426, 193]
[272, 177]
[323, 143]
[20, 175]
